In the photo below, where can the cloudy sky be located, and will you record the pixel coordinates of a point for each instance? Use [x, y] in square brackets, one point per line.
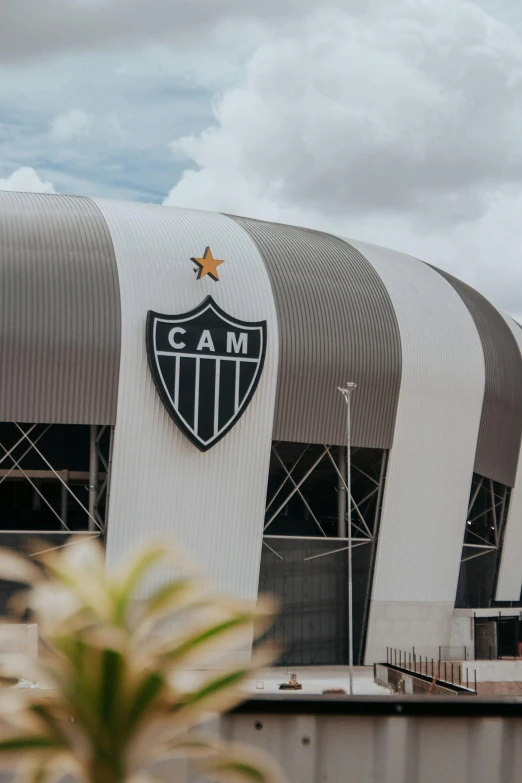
[393, 121]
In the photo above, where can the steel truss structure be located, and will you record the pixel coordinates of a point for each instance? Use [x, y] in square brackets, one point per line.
[483, 538]
[486, 518]
[27, 453]
[298, 468]
[307, 505]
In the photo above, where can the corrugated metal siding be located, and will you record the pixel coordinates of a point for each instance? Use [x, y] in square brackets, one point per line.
[501, 424]
[212, 503]
[438, 416]
[464, 740]
[336, 324]
[60, 313]
[510, 574]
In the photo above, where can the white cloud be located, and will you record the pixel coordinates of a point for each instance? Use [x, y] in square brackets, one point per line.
[398, 123]
[134, 105]
[70, 125]
[26, 180]
[379, 111]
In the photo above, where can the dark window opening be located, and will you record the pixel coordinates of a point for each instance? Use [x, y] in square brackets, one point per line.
[54, 482]
[498, 637]
[305, 559]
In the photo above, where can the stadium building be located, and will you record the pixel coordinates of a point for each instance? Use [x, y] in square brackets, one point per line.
[172, 372]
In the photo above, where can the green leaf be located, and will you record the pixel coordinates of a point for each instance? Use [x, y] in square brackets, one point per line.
[78, 691]
[213, 687]
[141, 565]
[166, 595]
[137, 570]
[29, 742]
[147, 692]
[111, 677]
[247, 771]
[44, 712]
[203, 637]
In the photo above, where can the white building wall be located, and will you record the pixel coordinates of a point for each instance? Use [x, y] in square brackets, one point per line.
[212, 503]
[510, 574]
[431, 462]
[462, 635]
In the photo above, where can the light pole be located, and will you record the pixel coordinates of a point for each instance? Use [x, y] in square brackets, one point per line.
[347, 393]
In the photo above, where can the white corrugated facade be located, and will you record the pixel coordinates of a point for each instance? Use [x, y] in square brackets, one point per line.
[510, 574]
[211, 503]
[431, 461]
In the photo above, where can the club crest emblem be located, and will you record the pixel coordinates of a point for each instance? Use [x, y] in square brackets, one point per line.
[206, 365]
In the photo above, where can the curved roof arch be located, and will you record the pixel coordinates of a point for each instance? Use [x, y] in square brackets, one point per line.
[61, 329]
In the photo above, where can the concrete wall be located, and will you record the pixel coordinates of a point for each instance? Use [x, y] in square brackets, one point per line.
[407, 624]
[462, 634]
[498, 671]
[499, 678]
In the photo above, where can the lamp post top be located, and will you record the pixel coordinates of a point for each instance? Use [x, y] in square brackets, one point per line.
[347, 389]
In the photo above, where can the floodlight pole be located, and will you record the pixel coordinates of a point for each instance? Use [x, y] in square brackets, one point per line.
[347, 393]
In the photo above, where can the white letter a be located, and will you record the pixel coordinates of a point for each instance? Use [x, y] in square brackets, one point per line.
[205, 341]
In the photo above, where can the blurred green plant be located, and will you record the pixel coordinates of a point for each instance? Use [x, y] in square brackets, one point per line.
[115, 703]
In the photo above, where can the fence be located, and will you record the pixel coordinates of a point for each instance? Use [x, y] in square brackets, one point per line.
[443, 671]
[462, 653]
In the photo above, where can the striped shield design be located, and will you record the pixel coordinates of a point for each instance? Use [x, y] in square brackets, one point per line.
[206, 365]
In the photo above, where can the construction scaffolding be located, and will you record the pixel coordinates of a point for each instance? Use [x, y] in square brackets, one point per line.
[305, 547]
[54, 479]
[483, 539]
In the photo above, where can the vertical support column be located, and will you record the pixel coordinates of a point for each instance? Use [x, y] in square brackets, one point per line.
[341, 492]
[93, 475]
[494, 511]
[64, 497]
[349, 527]
[347, 392]
[108, 478]
[373, 549]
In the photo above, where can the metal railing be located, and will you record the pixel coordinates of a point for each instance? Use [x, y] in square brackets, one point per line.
[441, 671]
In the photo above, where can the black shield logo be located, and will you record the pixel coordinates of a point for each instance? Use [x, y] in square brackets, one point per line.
[206, 365]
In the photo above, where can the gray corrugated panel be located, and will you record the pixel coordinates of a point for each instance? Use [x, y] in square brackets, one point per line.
[60, 314]
[336, 324]
[501, 423]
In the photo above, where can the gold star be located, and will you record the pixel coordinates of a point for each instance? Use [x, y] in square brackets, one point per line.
[207, 265]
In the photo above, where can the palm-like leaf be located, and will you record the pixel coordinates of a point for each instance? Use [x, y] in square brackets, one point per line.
[115, 705]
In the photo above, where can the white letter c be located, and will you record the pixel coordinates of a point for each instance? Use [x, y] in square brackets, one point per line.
[172, 337]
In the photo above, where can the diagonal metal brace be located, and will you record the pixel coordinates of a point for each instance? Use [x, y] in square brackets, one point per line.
[278, 490]
[301, 495]
[17, 465]
[296, 486]
[60, 479]
[354, 504]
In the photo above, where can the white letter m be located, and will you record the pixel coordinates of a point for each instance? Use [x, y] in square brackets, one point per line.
[237, 344]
